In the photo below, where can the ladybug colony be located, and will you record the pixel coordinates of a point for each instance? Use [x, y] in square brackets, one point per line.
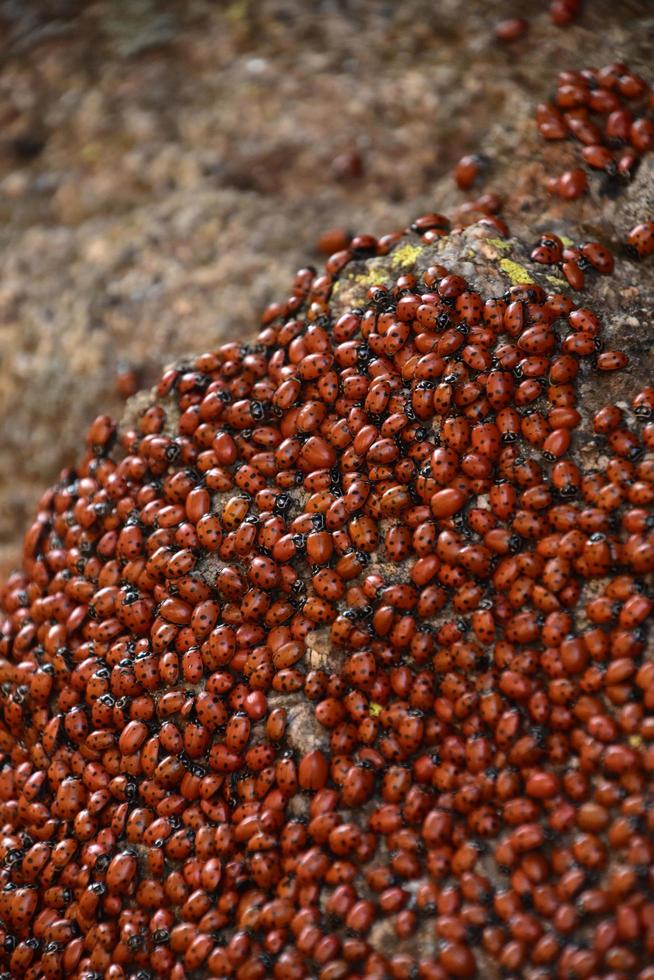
[331, 662]
[609, 112]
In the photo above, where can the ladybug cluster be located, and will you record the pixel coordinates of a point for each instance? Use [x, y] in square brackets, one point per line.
[400, 486]
[609, 112]
[574, 261]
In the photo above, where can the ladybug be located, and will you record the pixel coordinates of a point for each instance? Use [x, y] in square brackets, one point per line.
[548, 251]
[237, 732]
[574, 274]
[598, 157]
[640, 240]
[599, 257]
[612, 361]
[571, 185]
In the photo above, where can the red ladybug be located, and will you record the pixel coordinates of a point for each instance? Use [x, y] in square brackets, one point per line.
[640, 240]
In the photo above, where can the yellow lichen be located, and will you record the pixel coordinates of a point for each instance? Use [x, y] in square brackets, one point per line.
[516, 272]
[370, 278]
[92, 152]
[556, 281]
[374, 709]
[405, 254]
[237, 11]
[500, 243]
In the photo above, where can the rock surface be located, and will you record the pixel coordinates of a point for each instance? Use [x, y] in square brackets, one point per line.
[164, 171]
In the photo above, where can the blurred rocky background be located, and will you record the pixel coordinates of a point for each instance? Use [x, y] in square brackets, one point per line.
[166, 166]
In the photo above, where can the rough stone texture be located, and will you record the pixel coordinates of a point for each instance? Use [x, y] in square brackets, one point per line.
[165, 168]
